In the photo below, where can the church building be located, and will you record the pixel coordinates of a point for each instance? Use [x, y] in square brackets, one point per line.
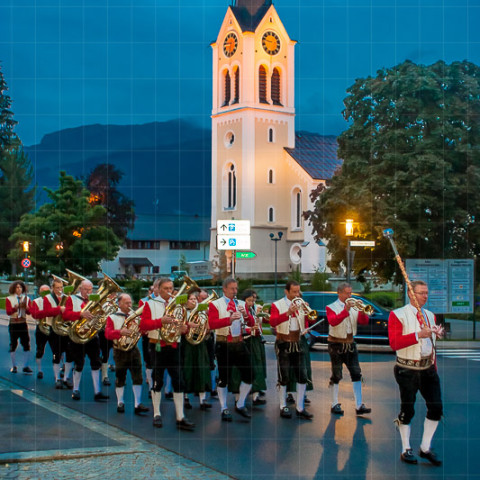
[262, 170]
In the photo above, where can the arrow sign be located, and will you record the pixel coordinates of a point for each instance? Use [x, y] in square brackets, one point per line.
[245, 255]
[233, 242]
[233, 227]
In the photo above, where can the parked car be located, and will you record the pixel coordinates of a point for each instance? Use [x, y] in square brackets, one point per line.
[375, 333]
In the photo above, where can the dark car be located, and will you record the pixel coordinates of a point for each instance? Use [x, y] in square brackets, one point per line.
[375, 333]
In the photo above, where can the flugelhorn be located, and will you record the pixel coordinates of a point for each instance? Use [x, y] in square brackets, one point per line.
[359, 306]
[304, 307]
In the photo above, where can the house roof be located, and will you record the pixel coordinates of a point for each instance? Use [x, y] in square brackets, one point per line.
[316, 154]
[249, 13]
[186, 228]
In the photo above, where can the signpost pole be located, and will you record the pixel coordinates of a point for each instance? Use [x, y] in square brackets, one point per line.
[234, 262]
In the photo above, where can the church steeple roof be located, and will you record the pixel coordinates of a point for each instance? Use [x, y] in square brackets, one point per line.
[249, 13]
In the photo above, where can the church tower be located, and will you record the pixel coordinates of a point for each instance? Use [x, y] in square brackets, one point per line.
[253, 122]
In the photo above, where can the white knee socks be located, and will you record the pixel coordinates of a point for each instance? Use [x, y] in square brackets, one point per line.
[429, 428]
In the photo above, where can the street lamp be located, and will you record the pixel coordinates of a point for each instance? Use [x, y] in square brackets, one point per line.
[348, 233]
[26, 249]
[276, 239]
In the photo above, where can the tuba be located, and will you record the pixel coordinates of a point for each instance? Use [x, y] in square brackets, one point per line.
[176, 309]
[101, 305]
[132, 322]
[59, 326]
[359, 306]
[199, 316]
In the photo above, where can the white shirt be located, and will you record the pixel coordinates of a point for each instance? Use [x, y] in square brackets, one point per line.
[293, 325]
[426, 346]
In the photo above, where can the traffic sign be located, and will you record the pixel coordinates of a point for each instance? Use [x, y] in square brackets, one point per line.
[233, 242]
[244, 255]
[26, 263]
[233, 227]
[362, 243]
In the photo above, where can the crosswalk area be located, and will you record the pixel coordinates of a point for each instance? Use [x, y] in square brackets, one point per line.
[468, 353]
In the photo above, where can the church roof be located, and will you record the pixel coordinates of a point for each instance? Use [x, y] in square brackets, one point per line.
[316, 154]
[249, 13]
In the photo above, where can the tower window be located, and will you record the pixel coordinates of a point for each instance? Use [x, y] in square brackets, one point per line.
[270, 176]
[271, 215]
[227, 89]
[270, 135]
[262, 84]
[297, 209]
[236, 85]
[276, 87]
[232, 188]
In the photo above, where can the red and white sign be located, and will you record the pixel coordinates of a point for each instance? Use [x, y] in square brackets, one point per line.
[26, 263]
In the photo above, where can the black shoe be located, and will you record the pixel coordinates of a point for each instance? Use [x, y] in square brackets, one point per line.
[27, 370]
[307, 401]
[68, 384]
[226, 416]
[261, 393]
[106, 382]
[13, 370]
[157, 421]
[290, 399]
[431, 457]
[214, 394]
[285, 412]
[243, 412]
[121, 408]
[205, 405]
[169, 396]
[40, 375]
[186, 404]
[185, 424]
[337, 409]
[408, 457]
[58, 384]
[304, 414]
[362, 410]
[141, 409]
[76, 395]
[259, 401]
[100, 396]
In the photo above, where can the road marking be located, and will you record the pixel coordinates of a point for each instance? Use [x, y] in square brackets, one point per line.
[468, 353]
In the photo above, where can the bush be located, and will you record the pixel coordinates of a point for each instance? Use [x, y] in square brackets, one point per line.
[383, 299]
[319, 282]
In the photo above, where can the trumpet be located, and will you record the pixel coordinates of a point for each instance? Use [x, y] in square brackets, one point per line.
[359, 306]
[304, 308]
[132, 323]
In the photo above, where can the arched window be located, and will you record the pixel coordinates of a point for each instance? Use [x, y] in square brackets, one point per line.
[262, 84]
[270, 176]
[227, 89]
[232, 187]
[270, 135]
[271, 215]
[276, 87]
[297, 209]
[236, 85]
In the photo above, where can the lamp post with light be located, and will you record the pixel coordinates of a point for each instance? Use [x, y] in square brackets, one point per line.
[276, 239]
[26, 248]
[348, 234]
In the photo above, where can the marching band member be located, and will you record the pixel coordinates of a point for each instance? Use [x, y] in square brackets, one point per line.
[225, 316]
[152, 293]
[125, 360]
[343, 319]
[164, 356]
[36, 311]
[59, 344]
[17, 306]
[286, 317]
[412, 334]
[73, 311]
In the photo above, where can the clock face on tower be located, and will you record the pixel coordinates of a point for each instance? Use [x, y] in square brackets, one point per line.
[230, 44]
[271, 43]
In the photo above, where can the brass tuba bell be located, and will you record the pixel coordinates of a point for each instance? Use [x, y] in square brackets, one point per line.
[199, 316]
[132, 322]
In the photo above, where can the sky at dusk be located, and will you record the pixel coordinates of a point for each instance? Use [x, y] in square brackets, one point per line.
[71, 62]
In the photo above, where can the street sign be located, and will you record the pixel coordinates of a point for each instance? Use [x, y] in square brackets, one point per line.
[233, 227]
[233, 242]
[362, 243]
[26, 263]
[244, 255]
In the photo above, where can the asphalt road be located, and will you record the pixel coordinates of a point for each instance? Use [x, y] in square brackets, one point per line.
[268, 447]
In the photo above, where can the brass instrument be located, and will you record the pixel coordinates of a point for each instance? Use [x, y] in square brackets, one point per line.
[304, 308]
[59, 326]
[199, 316]
[132, 322]
[43, 324]
[264, 313]
[176, 309]
[101, 305]
[358, 305]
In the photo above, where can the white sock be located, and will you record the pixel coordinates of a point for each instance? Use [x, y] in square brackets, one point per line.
[156, 398]
[301, 389]
[26, 359]
[38, 361]
[429, 427]
[405, 436]
[96, 381]
[357, 393]
[104, 370]
[282, 396]
[137, 393]
[77, 376]
[222, 397]
[148, 374]
[119, 391]
[334, 394]
[178, 400]
[68, 370]
[56, 371]
[255, 396]
[202, 396]
[244, 391]
[12, 356]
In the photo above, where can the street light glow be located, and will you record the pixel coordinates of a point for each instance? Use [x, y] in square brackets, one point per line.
[349, 227]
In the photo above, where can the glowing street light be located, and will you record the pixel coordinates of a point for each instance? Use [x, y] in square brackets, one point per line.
[348, 233]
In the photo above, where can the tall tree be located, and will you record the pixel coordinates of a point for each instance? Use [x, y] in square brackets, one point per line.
[16, 176]
[411, 162]
[67, 232]
[102, 184]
